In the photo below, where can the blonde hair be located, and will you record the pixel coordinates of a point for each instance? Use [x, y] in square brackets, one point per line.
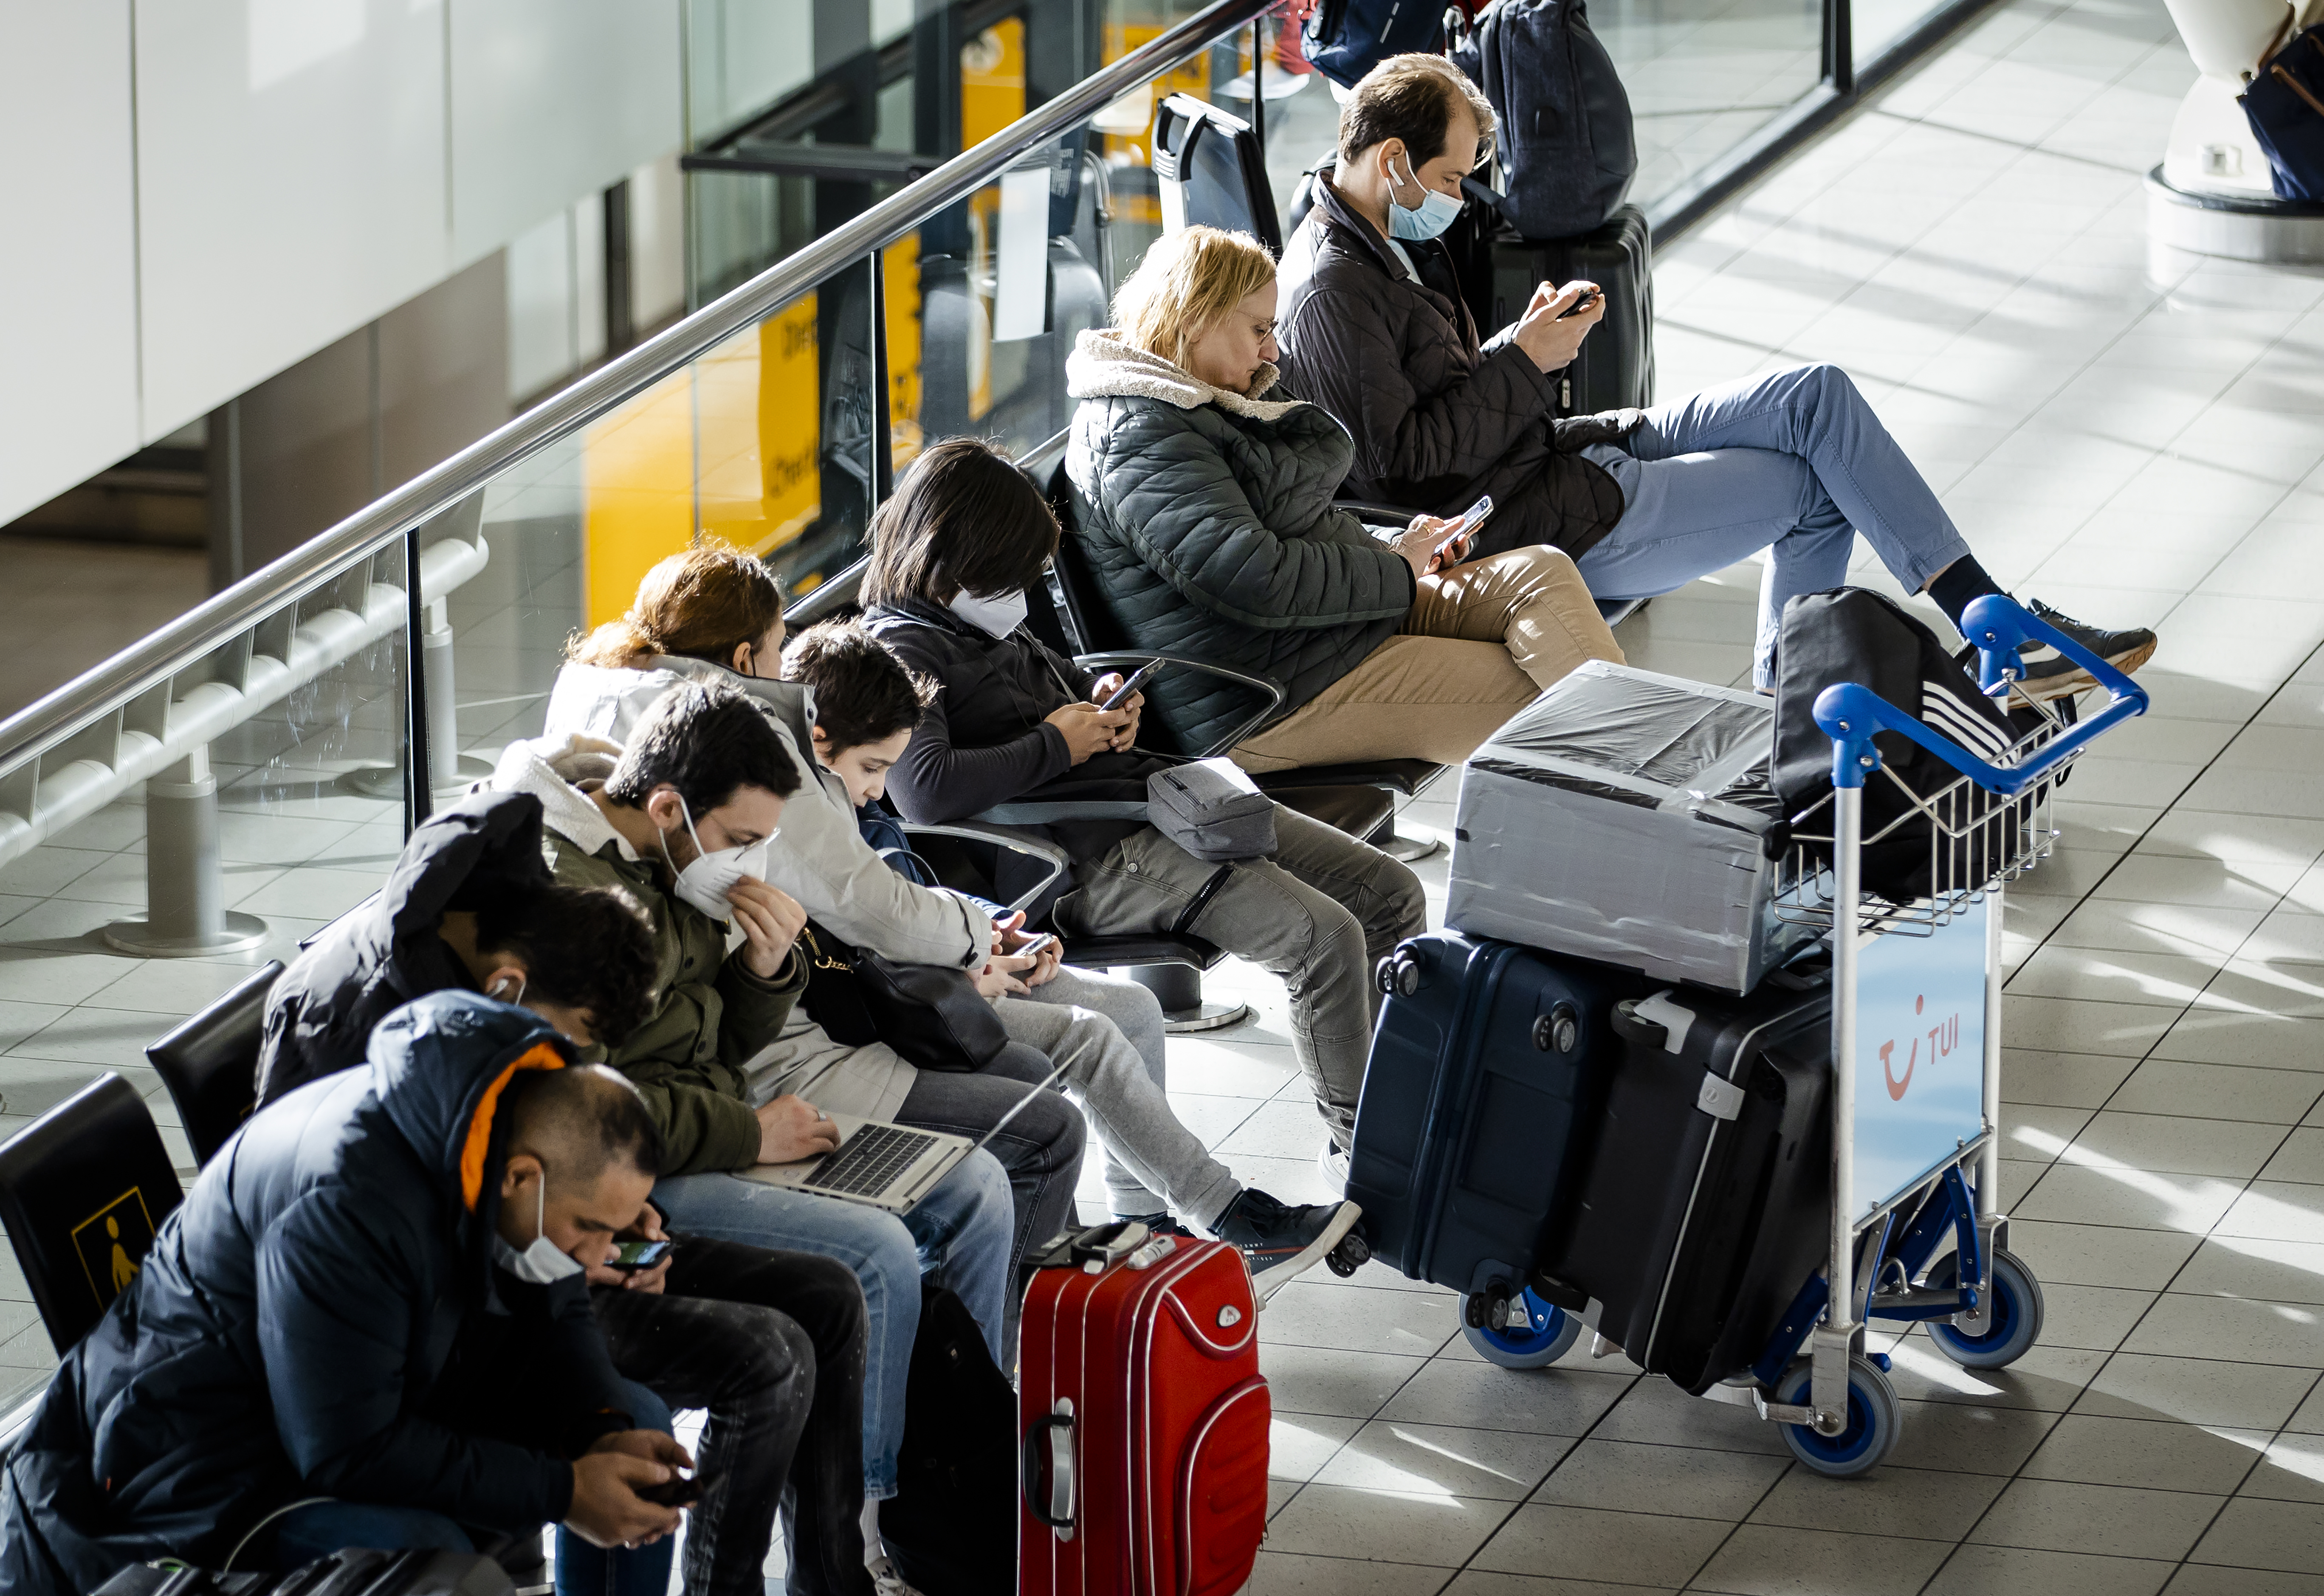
[701, 605]
[1188, 282]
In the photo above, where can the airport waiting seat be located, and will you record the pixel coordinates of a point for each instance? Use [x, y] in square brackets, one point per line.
[210, 1063]
[83, 1188]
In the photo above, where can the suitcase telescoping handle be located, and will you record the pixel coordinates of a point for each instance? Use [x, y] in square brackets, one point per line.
[1057, 1427]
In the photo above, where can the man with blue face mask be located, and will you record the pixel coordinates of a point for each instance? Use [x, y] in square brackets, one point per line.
[1374, 328]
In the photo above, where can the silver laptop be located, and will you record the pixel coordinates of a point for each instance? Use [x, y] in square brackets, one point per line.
[885, 1165]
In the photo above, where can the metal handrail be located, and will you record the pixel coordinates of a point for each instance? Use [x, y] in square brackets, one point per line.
[41, 725]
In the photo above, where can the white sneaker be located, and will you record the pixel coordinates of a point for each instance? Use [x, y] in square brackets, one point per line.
[885, 1579]
[1334, 1165]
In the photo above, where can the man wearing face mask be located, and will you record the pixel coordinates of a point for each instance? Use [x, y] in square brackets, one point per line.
[1794, 462]
[733, 1075]
[366, 1326]
[769, 1342]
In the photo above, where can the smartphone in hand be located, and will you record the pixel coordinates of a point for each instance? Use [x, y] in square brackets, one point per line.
[1581, 305]
[1034, 945]
[637, 1255]
[681, 1490]
[1138, 679]
[1471, 519]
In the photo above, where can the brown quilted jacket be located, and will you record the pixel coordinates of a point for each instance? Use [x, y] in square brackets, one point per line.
[1437, 419]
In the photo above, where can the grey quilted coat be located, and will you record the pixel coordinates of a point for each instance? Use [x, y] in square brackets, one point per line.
[1204, 519]
[1438, 420]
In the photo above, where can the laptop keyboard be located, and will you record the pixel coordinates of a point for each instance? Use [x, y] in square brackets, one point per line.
[864, 1164]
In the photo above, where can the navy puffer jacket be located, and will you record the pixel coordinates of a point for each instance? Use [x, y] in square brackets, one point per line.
[1205, 520]
[321, 1318]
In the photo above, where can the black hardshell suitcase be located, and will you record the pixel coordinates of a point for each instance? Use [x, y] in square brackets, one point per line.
[1706, 1203]
[1487, 1068]
[1616, 368]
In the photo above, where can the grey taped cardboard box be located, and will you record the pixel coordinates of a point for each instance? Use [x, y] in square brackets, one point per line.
[1626, 817]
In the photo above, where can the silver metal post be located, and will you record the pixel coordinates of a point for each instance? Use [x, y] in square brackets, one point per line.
[1991, 1223]
[1835, 1338]
[186, 916]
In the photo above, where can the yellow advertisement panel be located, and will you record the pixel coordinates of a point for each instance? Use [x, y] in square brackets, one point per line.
[637, 477]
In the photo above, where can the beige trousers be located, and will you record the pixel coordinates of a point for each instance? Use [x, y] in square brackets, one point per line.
[1480, 641]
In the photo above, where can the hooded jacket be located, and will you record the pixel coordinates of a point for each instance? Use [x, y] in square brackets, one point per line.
[720, 1039]
[1207, 527]
[321, 1318]
[385, 951]
[819, 857]
[1438, 418]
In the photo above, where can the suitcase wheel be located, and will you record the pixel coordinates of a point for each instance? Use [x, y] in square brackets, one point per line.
[1873, 1420]
[1534, 1333]
[2013, 1320]
[1350, 1255]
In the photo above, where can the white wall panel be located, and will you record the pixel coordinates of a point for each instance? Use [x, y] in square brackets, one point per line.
[553, 99]
[290, 182]
[68, 272]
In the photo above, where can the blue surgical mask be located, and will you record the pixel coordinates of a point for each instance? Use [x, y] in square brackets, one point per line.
[1437, 211]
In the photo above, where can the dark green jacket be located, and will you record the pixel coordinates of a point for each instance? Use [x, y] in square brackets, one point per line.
[1205, 520]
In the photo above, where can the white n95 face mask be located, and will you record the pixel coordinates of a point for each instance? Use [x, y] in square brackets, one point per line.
[544, 1262]
[999, 615]
[1436, 212]
[704, 882]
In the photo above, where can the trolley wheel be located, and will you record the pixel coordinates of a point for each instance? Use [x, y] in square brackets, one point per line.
[1538, 1334]
[2013, 1317]
[1350, 1255]
[1873, 1420]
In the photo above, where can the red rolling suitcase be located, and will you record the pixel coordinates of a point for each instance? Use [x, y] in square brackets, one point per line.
[1143, 1418]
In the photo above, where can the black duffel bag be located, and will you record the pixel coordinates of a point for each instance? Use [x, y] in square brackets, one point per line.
[951, 1527]
[933, 1016]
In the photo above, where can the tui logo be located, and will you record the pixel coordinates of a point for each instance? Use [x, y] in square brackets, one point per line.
[1941, 1039]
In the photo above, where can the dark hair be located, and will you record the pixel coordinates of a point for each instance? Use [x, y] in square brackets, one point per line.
[589, 948]
[706, 739]
[1411, 97]
[863, 693]
[589, 1118]
[701, 605]
[963, 520]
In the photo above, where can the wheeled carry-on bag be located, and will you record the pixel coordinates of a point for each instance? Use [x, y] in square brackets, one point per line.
[1487, 1068]
[1706, 1205]
[1142, 1416]
[1615, 367]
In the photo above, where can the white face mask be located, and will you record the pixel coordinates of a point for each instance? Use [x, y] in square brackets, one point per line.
[1000, 615]
[705, 882]
[543, 1263]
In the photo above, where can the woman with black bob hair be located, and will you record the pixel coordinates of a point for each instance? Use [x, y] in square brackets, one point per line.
[953, 553]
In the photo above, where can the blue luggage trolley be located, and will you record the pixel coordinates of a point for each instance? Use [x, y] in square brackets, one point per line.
[1916, 1052]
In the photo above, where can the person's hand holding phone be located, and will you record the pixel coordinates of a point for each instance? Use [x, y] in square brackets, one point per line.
[1556, 321]
[1009, 936]
[1107, 687]
[1088, 730]
[1004, 975]
[1419, 544]
[606, 1509]
[650, 1279]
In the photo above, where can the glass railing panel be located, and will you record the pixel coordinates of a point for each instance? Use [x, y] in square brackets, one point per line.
[1705, 75]
[150, 861]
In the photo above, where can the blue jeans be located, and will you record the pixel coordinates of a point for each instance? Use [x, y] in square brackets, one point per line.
[960, 1232]
[1796, 460]
[305, 1533]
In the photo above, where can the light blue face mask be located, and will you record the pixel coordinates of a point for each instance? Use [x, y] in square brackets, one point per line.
[1437, 211]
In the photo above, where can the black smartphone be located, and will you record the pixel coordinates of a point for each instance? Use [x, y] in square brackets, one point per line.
[632, 1255]
[1581, 305]
[683, 1491]
[1138, 679]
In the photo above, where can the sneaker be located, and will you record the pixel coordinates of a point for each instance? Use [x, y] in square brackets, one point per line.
[1281, 1240]
[2046, 673]
[1333, 1162]
[885, 1579]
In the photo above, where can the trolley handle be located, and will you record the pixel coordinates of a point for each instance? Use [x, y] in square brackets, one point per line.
[1850, 713]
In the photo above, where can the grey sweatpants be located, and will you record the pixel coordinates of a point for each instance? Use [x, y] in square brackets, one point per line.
[1317, 913]
[1108, 1034]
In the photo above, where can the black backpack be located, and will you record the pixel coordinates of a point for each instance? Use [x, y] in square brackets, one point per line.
[1345, 39]
[1567, 144]
[1854, 635]
[951, 1527]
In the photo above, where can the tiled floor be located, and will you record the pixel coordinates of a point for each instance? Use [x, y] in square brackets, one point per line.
[2134, 436]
